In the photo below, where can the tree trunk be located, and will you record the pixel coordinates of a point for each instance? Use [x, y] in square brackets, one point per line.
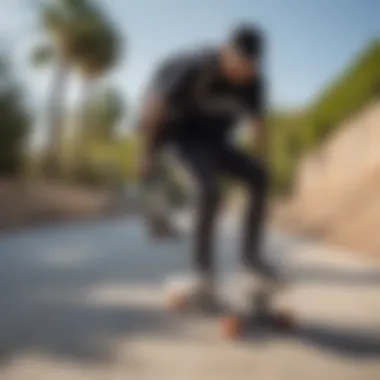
[80, 163]
[55, 122]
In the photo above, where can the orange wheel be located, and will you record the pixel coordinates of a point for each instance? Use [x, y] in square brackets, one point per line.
[177, 302]
[232, 327]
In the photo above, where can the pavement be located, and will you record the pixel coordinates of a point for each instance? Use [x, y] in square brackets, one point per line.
[85, 301]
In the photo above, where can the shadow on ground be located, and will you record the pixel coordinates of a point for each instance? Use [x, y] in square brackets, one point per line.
[335, 276]
[46, 275]
[80, 332]
[348, 342]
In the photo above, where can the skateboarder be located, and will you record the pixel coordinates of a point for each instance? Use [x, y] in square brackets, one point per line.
[194, 101]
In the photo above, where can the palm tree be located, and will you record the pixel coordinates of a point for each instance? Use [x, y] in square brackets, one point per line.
[69, 25]
[105, 110]
[100, 52]
[15, 120]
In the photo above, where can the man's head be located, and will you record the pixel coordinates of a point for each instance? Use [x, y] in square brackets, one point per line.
[241, 55]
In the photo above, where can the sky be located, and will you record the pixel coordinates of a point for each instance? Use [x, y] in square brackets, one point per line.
[309, 41]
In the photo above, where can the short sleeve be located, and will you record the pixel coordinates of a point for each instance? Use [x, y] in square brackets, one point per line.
[255, 98]
[174, 78]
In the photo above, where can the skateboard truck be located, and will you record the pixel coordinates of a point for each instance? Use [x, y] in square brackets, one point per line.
[235, 324]
[260, 313]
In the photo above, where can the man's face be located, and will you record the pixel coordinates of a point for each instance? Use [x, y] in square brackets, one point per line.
[237, 68]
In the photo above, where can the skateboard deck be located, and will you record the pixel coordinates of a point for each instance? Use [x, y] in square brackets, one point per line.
[231, 321]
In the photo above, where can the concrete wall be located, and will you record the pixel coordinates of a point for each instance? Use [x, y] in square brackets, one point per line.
[337, 189]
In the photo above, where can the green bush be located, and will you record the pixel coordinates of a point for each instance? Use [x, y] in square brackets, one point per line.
[356, 87]
[292, 135]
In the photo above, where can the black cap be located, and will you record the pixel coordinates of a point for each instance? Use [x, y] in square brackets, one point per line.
[248, 40]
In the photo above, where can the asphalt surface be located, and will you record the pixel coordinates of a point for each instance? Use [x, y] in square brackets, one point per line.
[86, 301]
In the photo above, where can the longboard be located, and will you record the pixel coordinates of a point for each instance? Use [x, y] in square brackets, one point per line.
[231, 321]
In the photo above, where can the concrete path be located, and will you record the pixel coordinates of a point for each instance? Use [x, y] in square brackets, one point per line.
[85, 302]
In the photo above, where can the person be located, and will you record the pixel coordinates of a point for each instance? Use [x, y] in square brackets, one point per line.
[193, 102]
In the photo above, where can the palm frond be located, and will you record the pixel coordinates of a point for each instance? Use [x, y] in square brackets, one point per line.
[53, 18]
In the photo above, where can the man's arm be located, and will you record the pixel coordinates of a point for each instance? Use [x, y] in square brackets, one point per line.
[169, 85]
[258, 133]
[153, 117]
[150, 124]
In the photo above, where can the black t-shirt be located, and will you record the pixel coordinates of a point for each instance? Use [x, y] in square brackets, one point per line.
[201, 101]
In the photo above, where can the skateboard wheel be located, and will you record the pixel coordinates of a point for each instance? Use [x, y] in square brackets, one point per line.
[232, 327]
[284, 320]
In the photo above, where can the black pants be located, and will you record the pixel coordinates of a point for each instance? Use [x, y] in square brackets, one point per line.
[208, 163]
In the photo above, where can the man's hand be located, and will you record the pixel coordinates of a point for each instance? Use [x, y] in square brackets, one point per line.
[151, 123]
[258, 138]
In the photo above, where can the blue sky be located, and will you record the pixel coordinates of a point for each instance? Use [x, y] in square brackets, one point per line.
[310, 41]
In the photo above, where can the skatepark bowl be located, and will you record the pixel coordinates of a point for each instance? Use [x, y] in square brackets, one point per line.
[85, 300]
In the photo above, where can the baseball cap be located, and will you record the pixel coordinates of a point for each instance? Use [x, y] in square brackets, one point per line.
[247, 39]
